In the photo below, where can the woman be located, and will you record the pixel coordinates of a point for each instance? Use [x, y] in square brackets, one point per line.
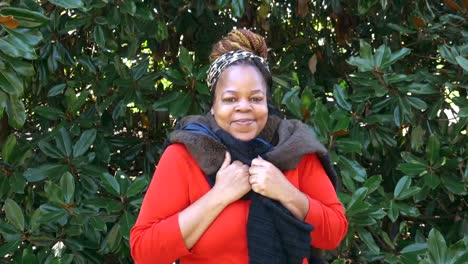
[239, 185]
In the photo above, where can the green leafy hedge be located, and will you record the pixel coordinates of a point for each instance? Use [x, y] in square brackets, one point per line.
[89, 91]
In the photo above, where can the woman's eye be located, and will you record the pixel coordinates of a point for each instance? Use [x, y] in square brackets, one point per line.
[257, 99]
[229, 100]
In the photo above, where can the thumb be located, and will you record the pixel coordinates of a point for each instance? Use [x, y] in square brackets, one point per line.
[227, 160]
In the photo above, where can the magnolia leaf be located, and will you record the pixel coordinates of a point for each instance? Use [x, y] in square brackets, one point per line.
[14, 214]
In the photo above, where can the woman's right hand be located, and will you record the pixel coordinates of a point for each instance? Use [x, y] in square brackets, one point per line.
[232, 180]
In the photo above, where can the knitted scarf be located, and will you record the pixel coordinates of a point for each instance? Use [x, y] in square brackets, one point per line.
[274, 235]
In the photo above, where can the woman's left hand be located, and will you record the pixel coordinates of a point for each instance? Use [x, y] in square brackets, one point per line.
[268, 180]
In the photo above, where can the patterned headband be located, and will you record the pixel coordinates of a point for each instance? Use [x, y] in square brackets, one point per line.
[223, 61]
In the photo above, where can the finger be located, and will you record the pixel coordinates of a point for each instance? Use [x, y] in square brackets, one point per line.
[258, 161]
[252, 170]
[237, 163]
[227, 160]
[252, 180]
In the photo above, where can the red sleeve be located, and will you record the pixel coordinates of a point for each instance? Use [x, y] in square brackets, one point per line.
[156, 237]
[326, 213]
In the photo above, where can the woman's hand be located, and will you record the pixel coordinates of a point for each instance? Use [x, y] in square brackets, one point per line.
[232, 180]
[268, 180]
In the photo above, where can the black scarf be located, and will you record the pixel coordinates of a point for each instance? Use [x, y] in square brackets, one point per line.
[274, 235]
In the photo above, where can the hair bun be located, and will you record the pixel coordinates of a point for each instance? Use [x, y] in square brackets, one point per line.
[240, 39]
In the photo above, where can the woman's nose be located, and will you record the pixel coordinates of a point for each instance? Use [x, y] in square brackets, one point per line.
[243, 105]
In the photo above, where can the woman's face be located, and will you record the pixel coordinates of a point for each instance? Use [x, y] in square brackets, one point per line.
[240, 103]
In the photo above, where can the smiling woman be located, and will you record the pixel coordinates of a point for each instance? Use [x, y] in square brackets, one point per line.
[240, 184]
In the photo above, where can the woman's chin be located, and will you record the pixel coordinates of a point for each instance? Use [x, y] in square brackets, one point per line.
[244, 136]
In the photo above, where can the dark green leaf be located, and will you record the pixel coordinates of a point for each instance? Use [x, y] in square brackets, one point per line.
[99, 37]
[29, 37]
[185, 60]
[363, 65]
[462, 62]
[367, 238]
[358, 196]
[28, 257]
[63, 142]
[10, 83]
[412, 168]
[238, 7]
[417, 137]
[110, 184]
[382, 56]
[49, 112]
[397, 116]
[433, 149]
[402, 185]
[26, 18]
[78, 102]
[400, 28]
[21, 67]
[17, 183]
[293, 102]
[431, 180]
[16, 112]
[44, 171]
[127, 220]
[161, 30]
[57, 89]
[9, 247]
[407, 193]
[393, 211]
[341, 97]
[463, 112]
[348, 145]
[447, 54]
[365, 5]
[417, 103]
[181, 105]
[69, 4]
[372, 183]
[128, 7]
[422, 88]
[322, 117]
[140, 69]
[410, 158]
[14, 214]
[437, 247]
[414, 248]
[396, 56]
[10, 48]
[42, 240]
[365, 50]
[54, 192]
[8, 147]
[67, 183]
[50, 150]
[354, 169]
[113, 238]
[137, 187]
[85, 141]
[454, 185]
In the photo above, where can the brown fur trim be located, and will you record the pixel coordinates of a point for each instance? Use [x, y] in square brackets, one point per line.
[291, 140]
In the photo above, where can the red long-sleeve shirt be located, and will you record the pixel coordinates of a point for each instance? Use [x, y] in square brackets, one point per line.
[178, 182]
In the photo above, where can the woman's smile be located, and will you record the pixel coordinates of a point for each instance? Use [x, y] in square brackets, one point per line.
[243, 122]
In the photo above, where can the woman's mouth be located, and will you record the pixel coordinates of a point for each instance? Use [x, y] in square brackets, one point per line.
[243, 122]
